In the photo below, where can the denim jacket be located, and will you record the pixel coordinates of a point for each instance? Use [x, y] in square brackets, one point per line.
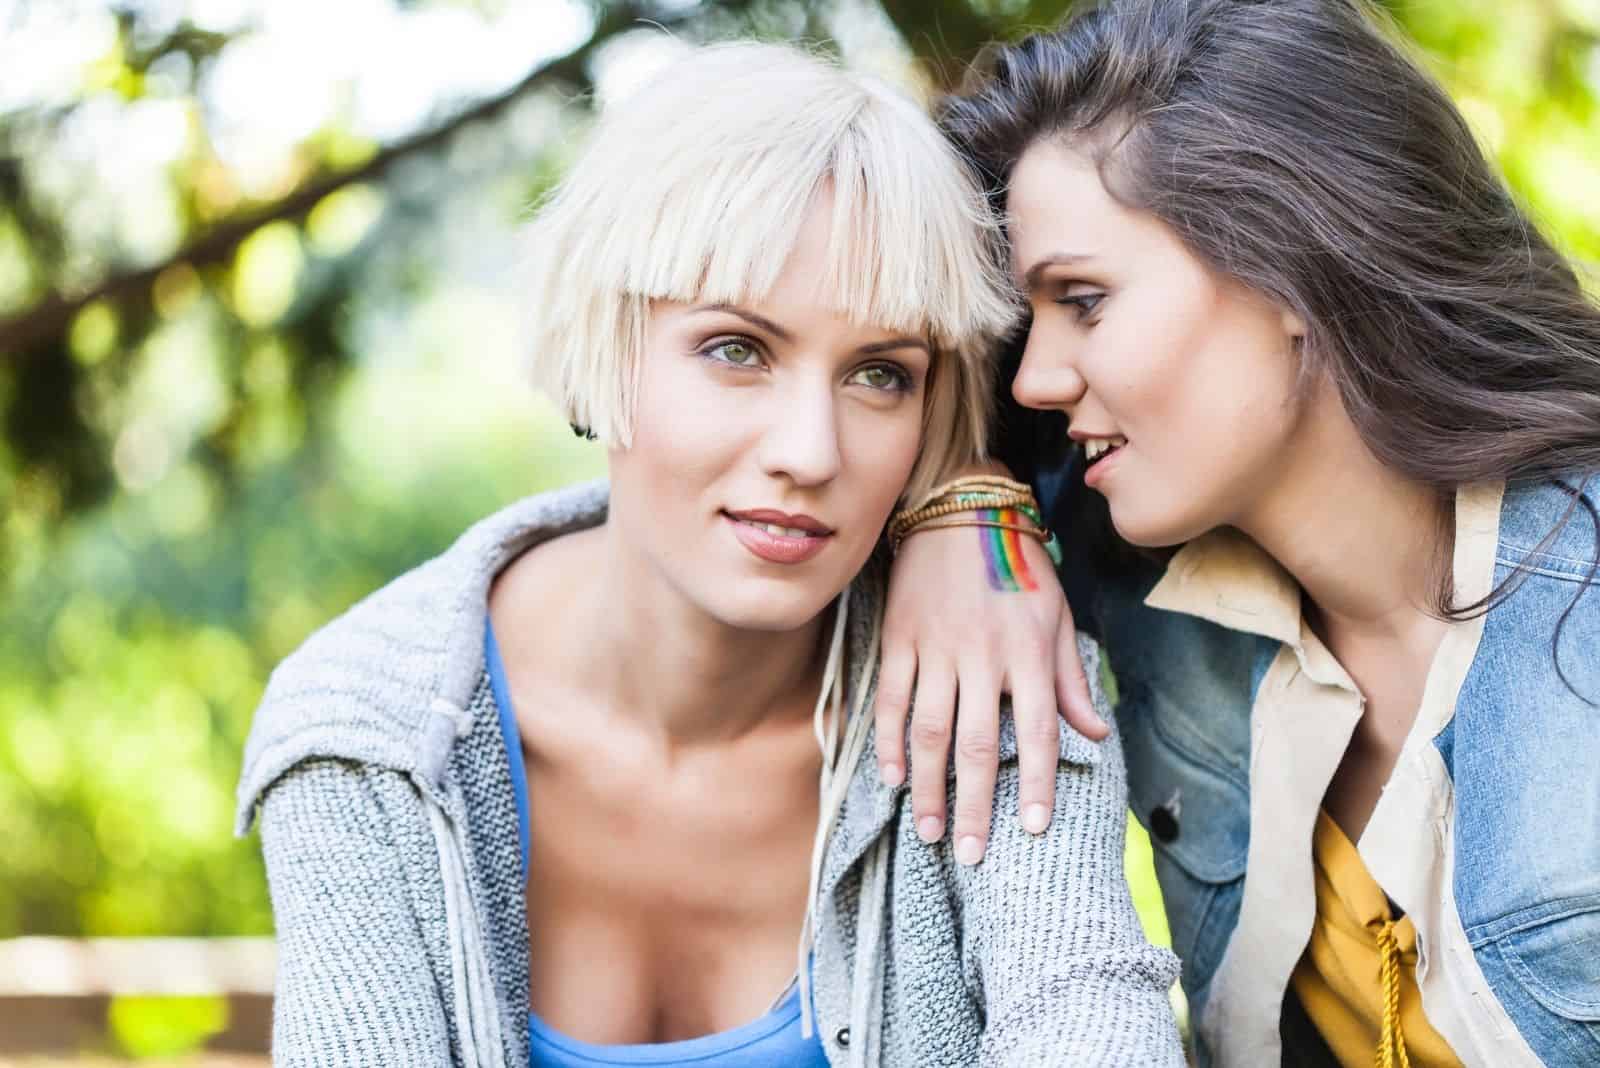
[1487, 833]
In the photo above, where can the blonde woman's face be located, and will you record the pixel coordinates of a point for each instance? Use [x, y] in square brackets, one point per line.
[1181, 385]
[771, 442]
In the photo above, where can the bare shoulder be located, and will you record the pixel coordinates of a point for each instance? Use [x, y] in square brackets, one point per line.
[529, 597]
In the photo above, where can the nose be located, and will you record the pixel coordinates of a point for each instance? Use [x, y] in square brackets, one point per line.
[802, 440]
[1048, 378]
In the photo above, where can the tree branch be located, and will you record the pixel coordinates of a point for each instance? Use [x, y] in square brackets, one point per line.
[54, 313]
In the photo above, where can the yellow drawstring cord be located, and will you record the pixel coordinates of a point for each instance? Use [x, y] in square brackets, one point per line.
[1392, 1044]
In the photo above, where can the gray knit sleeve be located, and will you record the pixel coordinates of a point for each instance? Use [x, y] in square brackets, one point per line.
[354, 985]
[1067, 975]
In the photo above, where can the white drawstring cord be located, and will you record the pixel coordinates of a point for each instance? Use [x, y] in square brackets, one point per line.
[866, 977]
[838, 767]
[825, 733]
[477, 1017]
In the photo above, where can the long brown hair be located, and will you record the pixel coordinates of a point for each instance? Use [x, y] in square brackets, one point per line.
[1292, 145]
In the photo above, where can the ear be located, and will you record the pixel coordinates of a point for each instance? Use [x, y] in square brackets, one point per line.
[1294, 327]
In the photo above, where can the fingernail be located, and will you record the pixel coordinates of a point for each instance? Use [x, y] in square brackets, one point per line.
[930, 828]
[893, 774]
[969, 850]
[1035, 818]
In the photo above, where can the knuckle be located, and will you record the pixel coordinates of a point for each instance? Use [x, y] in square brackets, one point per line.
[893, 697]
[978, 747]
[972, 814]
[1031, 645]
[1041, 729]
[897, 639]
[927, 734]
[1037, 783]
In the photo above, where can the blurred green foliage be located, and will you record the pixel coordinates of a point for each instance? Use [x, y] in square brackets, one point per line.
[271, 405]
[162, 1027]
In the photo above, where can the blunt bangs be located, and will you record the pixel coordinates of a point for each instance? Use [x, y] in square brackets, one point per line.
[694, 190]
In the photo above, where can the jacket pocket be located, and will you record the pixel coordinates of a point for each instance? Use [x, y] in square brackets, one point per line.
[1548, 962]
[1197, 814]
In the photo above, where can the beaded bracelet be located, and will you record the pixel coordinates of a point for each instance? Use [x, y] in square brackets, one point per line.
[1038, 531]
[994, 483]
[1025, 529]
[905, 521]
[976, 494]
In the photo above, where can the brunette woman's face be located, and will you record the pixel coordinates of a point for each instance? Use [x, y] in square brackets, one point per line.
[771, 441]
[1179, 383]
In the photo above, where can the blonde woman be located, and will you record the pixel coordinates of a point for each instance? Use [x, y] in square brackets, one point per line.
[554, 797]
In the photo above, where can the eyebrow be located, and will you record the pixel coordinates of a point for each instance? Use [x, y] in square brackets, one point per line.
[1031, 279]
[873, 349]
[752, 318]
[879, 347]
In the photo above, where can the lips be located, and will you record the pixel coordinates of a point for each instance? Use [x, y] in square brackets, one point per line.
[779, 531]
[778, 537]
[1097, 449]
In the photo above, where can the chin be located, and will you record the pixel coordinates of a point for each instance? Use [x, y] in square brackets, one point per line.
[1148, 531]
[761, 607]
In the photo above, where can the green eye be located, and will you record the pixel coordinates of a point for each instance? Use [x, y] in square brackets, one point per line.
[888, 379]
[738, 353]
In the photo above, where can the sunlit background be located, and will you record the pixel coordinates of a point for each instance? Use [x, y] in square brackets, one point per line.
[259, 352]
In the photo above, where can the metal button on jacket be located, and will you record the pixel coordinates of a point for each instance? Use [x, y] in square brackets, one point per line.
[1164, 823]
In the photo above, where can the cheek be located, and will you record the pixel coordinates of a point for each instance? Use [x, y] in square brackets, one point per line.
[1216, 415]
[880, 449]
[1195, 387]
[1241, 390]
[685, 437]
[1142, 375]
[683, 420]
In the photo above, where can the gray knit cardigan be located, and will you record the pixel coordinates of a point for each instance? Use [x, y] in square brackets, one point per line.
[390, 833]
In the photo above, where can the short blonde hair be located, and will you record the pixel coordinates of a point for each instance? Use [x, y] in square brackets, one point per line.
[693, 189]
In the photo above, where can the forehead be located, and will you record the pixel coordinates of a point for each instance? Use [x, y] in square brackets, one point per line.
[1056, 203]
[827, 274]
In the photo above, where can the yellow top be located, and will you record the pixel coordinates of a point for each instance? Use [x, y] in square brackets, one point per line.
[1358, 976]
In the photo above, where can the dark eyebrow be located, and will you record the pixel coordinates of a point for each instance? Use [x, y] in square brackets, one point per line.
[1030, 280]
[880, 347]
[873, 349]
[752, 318]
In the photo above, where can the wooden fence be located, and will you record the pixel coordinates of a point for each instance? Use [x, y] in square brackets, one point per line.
[55, 992]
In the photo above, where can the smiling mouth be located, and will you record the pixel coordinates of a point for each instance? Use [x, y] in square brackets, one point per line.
[779, 538]
[778, 531]
[1097, 449]
[781, 524]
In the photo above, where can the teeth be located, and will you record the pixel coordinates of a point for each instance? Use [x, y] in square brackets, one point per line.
[1095, 448]
[782, 532]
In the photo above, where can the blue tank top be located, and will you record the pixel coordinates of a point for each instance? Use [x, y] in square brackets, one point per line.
[773, 1041]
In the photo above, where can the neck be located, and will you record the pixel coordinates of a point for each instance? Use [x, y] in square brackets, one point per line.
[682, 675]
[1363, 542]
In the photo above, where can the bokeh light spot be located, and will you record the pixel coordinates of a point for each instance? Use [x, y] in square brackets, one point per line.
[266, 273]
